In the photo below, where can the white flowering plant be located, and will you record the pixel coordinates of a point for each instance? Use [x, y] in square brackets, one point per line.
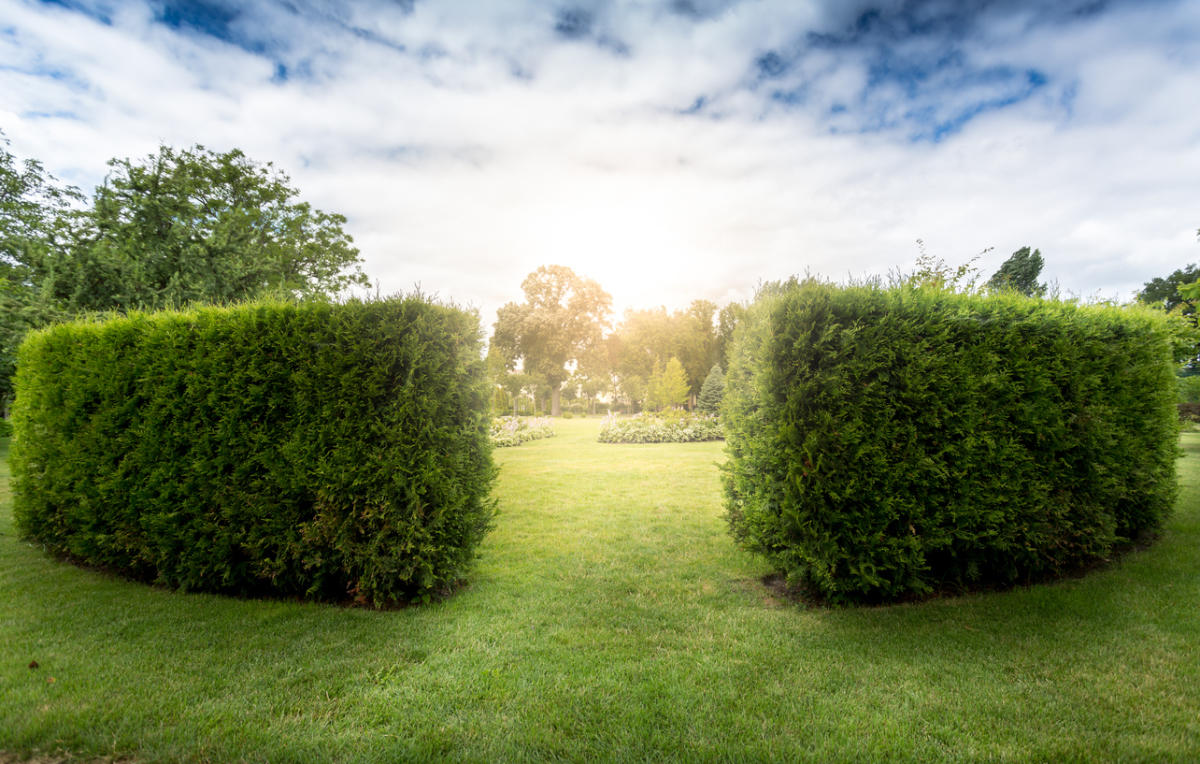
[665, 427]
[515, 430]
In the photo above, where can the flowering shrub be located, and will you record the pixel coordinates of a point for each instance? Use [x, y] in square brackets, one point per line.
[515, 430]
[667, 427]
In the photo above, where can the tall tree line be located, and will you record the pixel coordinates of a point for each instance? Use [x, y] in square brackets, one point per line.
[560, 341]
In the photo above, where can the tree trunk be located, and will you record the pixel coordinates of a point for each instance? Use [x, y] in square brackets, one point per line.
[555, 407]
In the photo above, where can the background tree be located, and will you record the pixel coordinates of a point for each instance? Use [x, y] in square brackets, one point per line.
[649, 337]
[668, 386]
[643, 338]
[38, 216]
[1019, 273]
[592, 388]
[713, 391]
[195, 226]
[593, 373]
[1174, 294]
[562, 318]
[508, 384]
[697, 344]
[633, 389]
[727, 321]
[179, 227]
[1163, 292]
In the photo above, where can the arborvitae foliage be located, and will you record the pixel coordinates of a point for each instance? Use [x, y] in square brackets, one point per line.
[328, 451]
[893, 443]
[712, 391]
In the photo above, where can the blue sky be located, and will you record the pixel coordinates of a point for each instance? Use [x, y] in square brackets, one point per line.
[670, 149]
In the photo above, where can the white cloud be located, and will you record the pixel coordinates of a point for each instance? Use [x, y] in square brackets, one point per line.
[460, 175]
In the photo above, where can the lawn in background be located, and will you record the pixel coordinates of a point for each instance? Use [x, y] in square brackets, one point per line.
[609, 616]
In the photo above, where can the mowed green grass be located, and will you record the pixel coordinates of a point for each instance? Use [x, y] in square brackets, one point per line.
[610, 617]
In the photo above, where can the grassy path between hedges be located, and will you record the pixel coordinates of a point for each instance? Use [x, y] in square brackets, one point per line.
[609, 617]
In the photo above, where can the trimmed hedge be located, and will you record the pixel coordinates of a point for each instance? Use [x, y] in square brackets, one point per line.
[327, 451]
[890, 443]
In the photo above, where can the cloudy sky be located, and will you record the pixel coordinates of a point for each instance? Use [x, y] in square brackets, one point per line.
[669, 149]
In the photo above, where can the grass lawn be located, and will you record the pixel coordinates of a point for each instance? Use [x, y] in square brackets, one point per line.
[609, 616]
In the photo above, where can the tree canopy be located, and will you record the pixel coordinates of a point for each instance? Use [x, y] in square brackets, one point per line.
[649, 337]
[178, 227]
[196, 226]
[668, 385]
[1019, 273]
[1163, 292]
[1178, 294]
[563, 317]
[37, 217]
[727, 322]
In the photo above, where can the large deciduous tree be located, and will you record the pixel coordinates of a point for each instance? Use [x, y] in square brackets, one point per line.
[649, 337]
[1175, 294]
[179, 227]
[1163, 292]
[37, 217]
[1019, 273]
[727, 321]
[698, 343]
[563, 317]
[196, 226]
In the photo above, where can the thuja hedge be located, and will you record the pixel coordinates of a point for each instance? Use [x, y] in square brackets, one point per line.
[891, 443]
[330, 451]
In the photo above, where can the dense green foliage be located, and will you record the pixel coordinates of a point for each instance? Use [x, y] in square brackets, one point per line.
[36, 218]
[673, 426]
[712, 392]
[329, 451]
[889, 443]
[1019, 273]
[646, 341]
[560, 321]
[1188, 389]
[668, 386]
[194, 226]
[1163, 291]
[179, 227]
[1176, 294]
[515, 430]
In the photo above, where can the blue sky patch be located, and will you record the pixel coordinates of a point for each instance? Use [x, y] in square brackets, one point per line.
[911, 67]
[101, 12]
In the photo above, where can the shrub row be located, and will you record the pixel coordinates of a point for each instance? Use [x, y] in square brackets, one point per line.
[515, 430]
[891, 443]
[327, 451]
[666, 427]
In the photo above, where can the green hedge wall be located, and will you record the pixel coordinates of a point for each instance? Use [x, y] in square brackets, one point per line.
[327, 451]
[890, 443]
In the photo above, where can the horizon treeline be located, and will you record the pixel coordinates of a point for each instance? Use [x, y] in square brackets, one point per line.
[560, 343]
